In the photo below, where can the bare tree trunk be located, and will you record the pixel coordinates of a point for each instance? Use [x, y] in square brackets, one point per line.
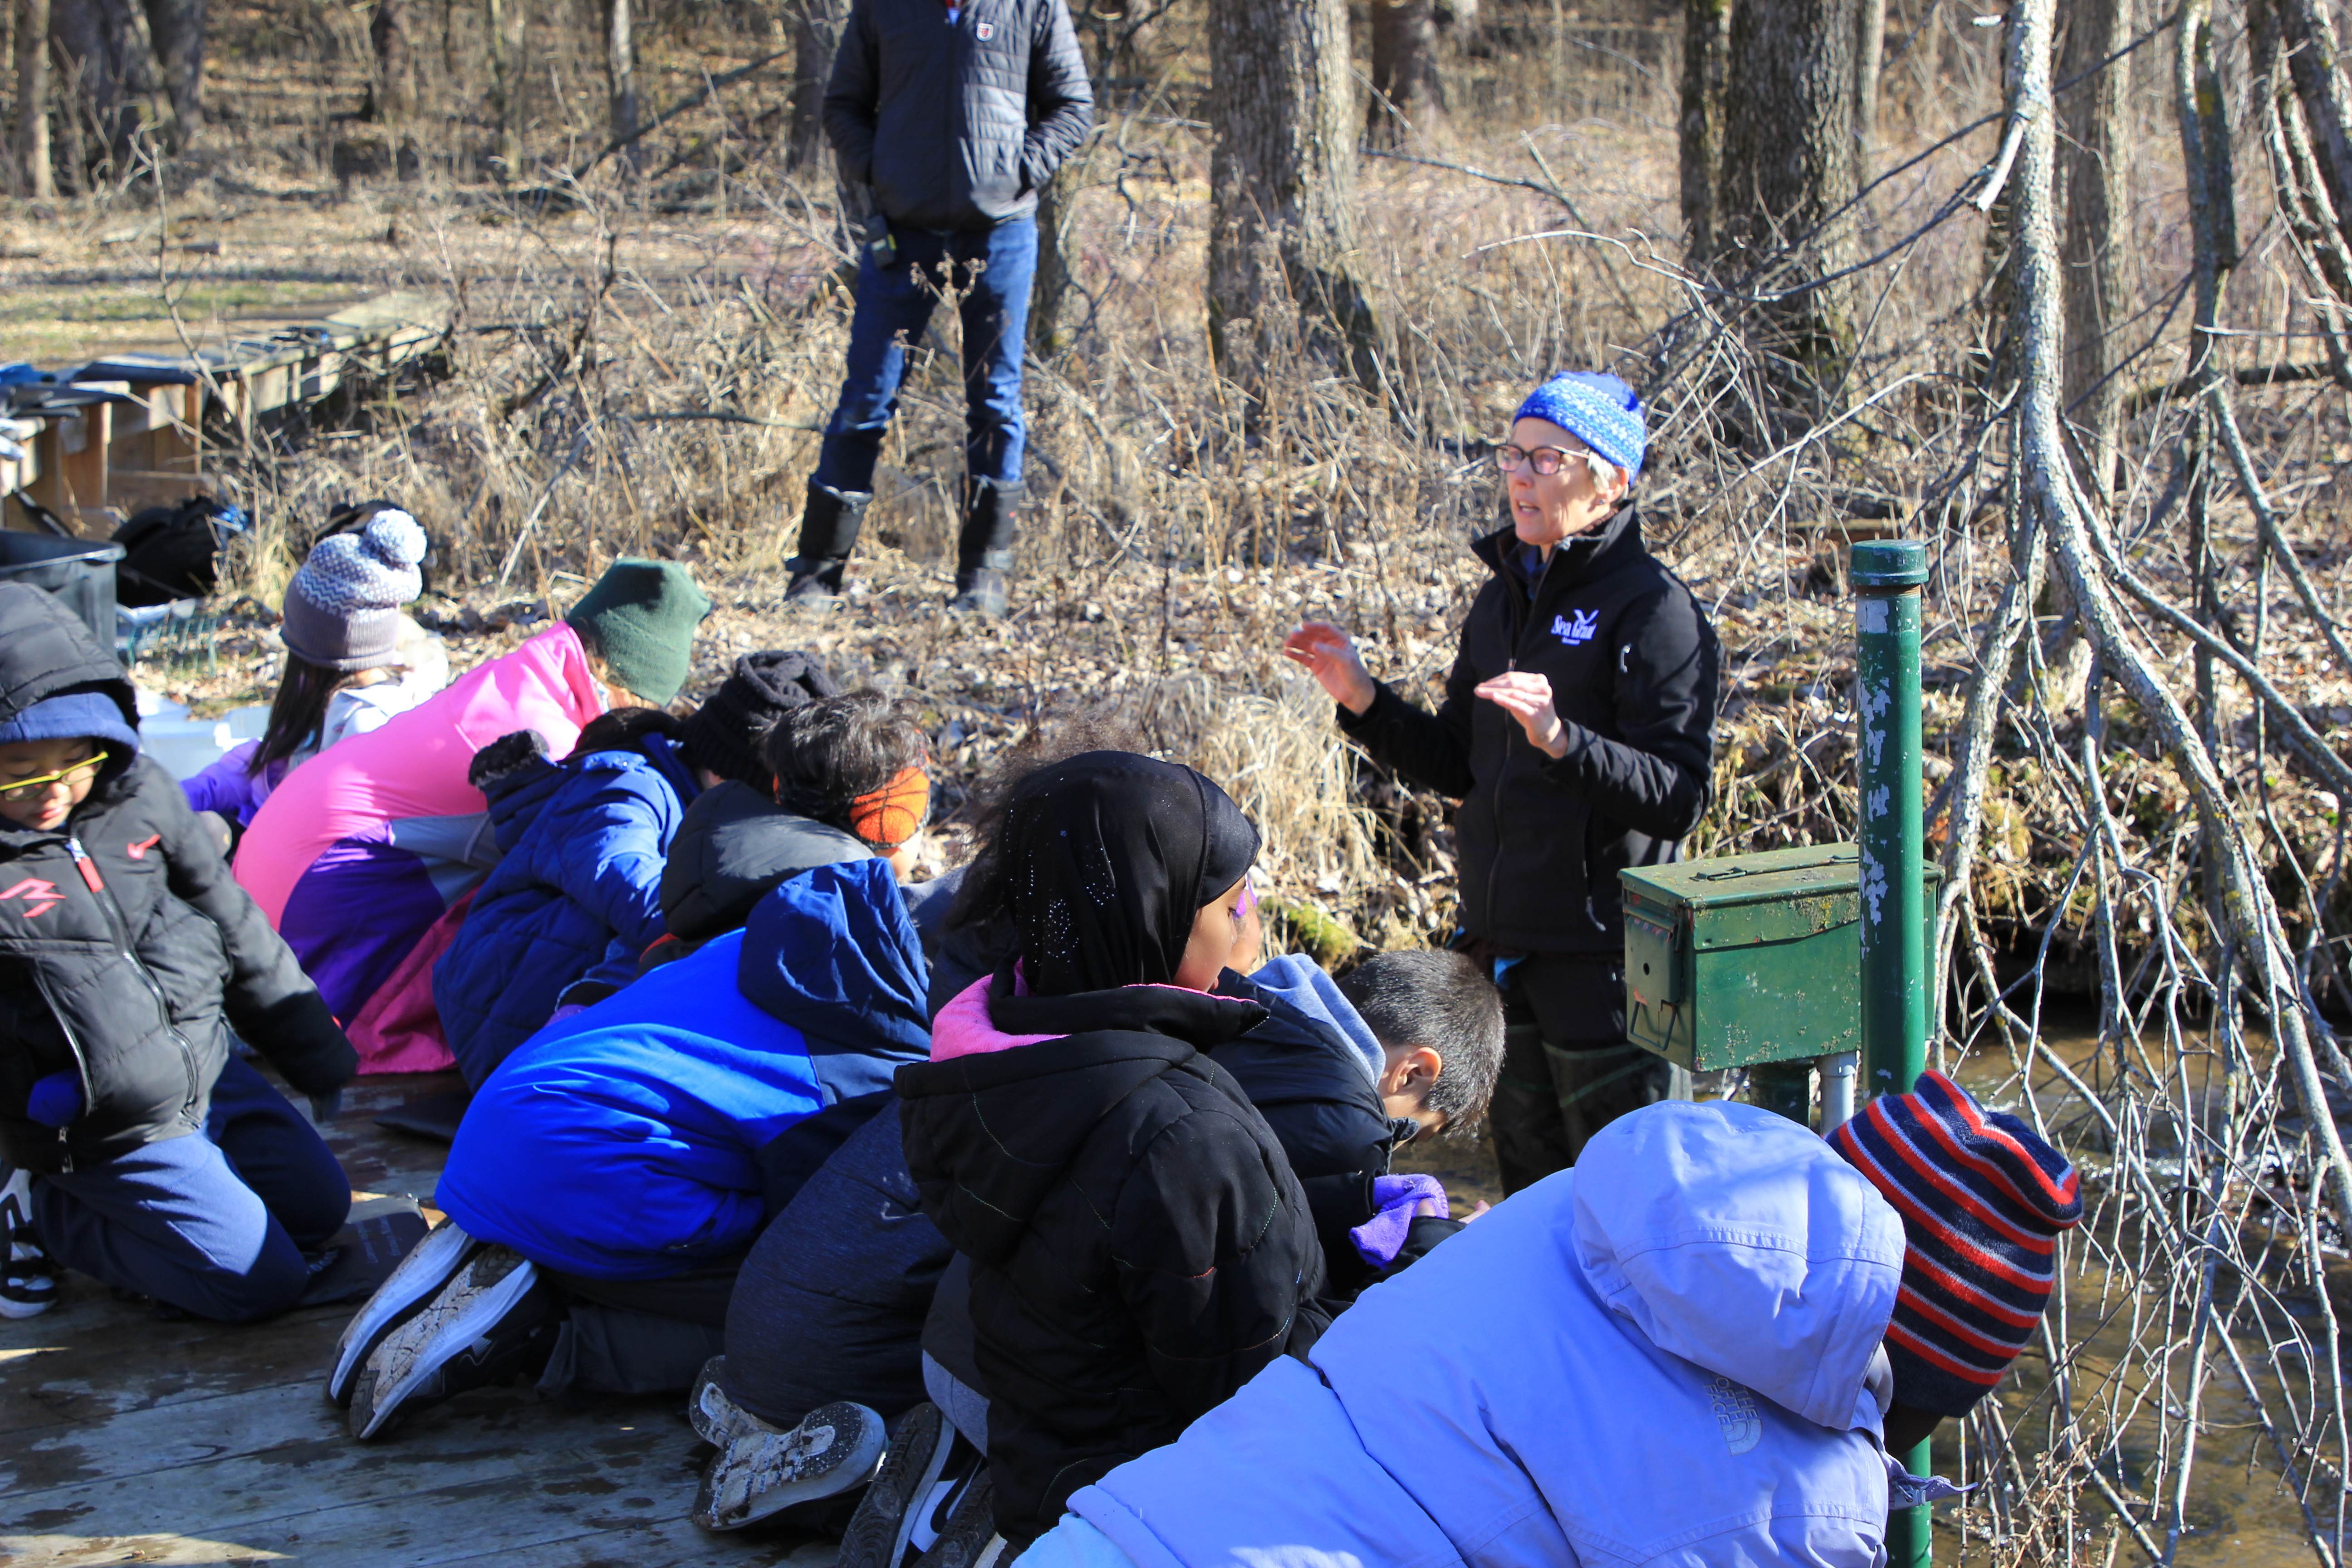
[33, 101]
[508, 27]
[1789, 161]
[177, 30]
[1408, 89]
[817, 34]
[1283, 247]
[1870, 59]
[1706, 45]
[2093, 161]
[105, 44]
[621, 67]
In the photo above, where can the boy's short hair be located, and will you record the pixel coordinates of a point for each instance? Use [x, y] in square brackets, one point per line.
[1444, 1001]
[623, 730]
[827, 754]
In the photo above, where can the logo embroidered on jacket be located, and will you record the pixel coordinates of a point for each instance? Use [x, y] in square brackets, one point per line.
[39, 897]
[139, 851]
[1735, 1411]
[1582, 629]
[983, 31]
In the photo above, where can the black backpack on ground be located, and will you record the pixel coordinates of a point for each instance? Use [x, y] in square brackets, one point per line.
[173, 552]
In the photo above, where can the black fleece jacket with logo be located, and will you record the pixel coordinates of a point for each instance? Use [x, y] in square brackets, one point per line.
[124, 941]
[1634, 670]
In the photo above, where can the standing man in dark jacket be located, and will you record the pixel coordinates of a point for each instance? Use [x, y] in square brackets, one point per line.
[1577, 732]
[158, 1161]
[955, 114]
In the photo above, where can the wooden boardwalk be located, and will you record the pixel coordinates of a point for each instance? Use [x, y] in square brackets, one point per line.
[127, 1440]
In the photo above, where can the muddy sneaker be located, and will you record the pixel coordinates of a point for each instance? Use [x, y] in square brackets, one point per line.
[716, 1418]
[877, 1532]
[834, 1447]
[420, 1275]
[491, 1320]
[29, 1280]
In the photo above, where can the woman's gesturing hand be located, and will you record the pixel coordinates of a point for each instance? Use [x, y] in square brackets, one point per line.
[1330, 656]
[1528, 699]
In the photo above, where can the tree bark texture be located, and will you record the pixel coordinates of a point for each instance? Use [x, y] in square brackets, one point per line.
[1284, 258]
[1706, 48]
[2094, 159]
[1408, 88]
[32, 138]
[621, 68]
[395, 62]
[2301, 105]
[177, 30]
[1870, 61]
[817, 34]
[110, 74]
[1789, 160]
[508, 29]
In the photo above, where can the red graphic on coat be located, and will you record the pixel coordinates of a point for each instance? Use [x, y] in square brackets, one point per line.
[139, 851]
[39, 897]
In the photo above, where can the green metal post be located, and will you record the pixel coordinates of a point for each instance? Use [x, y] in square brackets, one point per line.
[1887, 577]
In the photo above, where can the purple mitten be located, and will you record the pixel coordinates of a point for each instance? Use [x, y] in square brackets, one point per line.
[1379, 1238]
[56, 1099]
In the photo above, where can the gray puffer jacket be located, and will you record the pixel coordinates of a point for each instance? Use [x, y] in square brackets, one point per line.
[957, 124]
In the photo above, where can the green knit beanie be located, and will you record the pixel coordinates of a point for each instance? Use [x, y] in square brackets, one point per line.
[641, 615]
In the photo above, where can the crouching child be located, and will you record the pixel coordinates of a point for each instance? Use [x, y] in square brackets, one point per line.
[1783, 1320]
[137, 1148]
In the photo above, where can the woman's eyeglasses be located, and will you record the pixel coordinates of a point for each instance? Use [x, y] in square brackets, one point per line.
[29, 789]
[1544, 460]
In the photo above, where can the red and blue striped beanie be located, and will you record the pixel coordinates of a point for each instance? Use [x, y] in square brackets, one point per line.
[1982, 1201]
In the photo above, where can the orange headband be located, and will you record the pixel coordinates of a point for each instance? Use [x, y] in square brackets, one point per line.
[894, 813]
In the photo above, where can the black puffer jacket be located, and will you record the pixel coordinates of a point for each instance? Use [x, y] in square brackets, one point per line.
[1140, 1248]
[734, 846]
[957, 125]
[1633, 668]
[1302, 1076]
[123, 939]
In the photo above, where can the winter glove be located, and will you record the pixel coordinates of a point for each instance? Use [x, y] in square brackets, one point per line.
[325, 1107]
[56, 1099]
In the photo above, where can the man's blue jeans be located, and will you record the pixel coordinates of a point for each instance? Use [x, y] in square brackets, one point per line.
[991, 270]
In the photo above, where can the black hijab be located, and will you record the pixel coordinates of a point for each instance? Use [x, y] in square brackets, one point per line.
[1108, 858]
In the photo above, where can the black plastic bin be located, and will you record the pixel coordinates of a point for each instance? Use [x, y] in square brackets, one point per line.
[78, 571]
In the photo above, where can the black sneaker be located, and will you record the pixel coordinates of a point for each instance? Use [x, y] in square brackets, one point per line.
[489, 1323]
[28, 1281]
[954, 1526]
[878, 1531]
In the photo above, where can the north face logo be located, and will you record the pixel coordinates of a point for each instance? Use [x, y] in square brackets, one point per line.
[1735, 1411]
[39, 897]
[1582, 629]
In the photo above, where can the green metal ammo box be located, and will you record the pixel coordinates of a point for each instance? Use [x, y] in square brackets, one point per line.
[1748, 958]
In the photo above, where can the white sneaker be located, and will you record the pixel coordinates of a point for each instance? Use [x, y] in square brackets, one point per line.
[28, 1279]
[421, 1274]
[480, 1327]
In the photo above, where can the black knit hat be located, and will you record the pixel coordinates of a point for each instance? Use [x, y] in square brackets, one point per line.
[725, 732]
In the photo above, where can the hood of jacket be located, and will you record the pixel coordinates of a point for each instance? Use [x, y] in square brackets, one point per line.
[46, 651]
[735, 844]
[833, 953]
[1736, 1239]
[1086, 1054]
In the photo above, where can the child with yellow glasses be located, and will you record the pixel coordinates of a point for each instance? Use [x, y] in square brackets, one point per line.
[134, 1146]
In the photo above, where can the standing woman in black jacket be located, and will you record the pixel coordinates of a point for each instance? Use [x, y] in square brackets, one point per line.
[1577, 732]
[1139, 1245]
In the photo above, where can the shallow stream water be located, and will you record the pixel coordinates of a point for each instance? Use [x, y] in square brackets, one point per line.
[2239, 1513]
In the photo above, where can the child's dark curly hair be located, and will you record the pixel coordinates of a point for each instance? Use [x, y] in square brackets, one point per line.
[828, 753]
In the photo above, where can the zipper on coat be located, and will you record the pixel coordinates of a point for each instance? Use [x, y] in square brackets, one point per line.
[1522, 614]
[121, 929]
[81, 1060]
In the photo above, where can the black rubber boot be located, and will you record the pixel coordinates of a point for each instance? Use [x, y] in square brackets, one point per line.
[829, 524]
[984, 548]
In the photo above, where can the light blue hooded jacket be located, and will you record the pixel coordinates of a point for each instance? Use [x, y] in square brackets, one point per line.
[1658, 1357]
